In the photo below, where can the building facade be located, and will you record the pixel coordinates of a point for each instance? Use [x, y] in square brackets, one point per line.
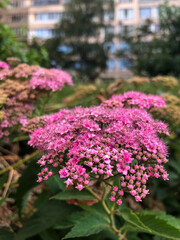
[37, 18]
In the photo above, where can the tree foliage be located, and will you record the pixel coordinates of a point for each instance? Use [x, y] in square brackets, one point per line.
[12, 47]
[157, 53]
[78, 43]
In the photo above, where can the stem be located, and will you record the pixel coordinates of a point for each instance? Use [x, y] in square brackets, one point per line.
[8, 182]
[31, 156]
[109, 212]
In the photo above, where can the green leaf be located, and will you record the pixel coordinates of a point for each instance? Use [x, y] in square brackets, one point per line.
[47, 216]
[71, 220]
[152, 222]
[170, 219]
[74, 194]
[6, 235]
[132, 218]
[26, 182]
[88, 225]
[161, 225]
[55, 184]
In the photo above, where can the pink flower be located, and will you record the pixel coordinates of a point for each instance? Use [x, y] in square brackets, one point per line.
[4, 65]
[79, 187]
[112, 199]
[119, 202]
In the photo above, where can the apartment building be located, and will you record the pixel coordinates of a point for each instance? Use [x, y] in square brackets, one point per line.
[37, 18]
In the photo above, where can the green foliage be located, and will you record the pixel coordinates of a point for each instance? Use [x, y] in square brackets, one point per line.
[3, 3]
[87, 225]
[73, 194]
[25, 186]
[46, 216]
[11, 47]
[151, 222]
[80, 22]
[161, 55]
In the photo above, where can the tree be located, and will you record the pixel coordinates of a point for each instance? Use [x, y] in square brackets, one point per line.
[11, 47]
[78, 42]
[3, 3]
[157, 52]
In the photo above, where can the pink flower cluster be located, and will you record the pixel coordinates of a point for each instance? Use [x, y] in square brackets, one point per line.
[4, 65]
[100, 142]
[50, 79]
[20, 89]
[135, 99]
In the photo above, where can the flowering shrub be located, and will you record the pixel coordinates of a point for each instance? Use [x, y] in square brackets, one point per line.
[100, 143]
[135, 99]
[53, 79]
[22, 87]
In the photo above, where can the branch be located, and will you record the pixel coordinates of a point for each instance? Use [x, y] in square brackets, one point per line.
[31, 156]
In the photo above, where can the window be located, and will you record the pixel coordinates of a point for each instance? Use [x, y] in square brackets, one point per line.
[108, 16]
[154, 28]
[145, 13]
[126, 30]
[19, 31]
[45, 2]
[110, 47]
[18, 18]
[125, 1]
[44, 33]
[109, 30]
[79, 65]
[155, 12]
[123, 64]
[111, 64]
[65, 49]
[126, 14]
[124, 47]
[48, 16]
[18, 4]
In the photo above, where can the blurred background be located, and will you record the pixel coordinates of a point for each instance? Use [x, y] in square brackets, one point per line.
[109, 47]
[101, 38]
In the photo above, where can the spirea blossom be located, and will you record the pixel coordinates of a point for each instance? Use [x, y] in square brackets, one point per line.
[50, 79]
[85, 143]
[4, 65]
[135, 99]
[18, 93]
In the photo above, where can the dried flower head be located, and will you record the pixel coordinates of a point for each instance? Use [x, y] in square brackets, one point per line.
[165, 81]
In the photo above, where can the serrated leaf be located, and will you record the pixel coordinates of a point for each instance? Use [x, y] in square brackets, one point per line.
[46, 217]
[160, 225]
[170, 219]
[132, 218]
[74, 194]
[151, 222]
[88, 225]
